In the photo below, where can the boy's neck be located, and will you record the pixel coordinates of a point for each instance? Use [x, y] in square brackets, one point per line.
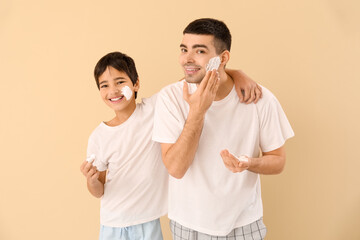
[122, 116]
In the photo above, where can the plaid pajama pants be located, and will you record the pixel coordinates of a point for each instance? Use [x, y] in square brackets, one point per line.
[253, 231]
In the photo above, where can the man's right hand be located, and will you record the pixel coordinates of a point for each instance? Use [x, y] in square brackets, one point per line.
[201, 100]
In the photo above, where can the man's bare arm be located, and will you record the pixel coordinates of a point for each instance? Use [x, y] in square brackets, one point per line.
[272, 162]
[178, 157]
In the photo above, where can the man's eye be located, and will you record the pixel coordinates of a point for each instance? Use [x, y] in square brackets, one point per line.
[200, 51]
[183, 50]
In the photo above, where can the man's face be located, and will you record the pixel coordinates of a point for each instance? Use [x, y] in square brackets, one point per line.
[196, 51]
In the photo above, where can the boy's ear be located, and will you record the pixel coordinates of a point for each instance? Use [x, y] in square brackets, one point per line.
[137, 85]
[225, 57]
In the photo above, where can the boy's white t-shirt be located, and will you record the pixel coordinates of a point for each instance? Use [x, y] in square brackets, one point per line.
[210, 198]
[137, 181]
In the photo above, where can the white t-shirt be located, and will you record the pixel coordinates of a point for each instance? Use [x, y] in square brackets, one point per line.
[137, 181]
[210, 198]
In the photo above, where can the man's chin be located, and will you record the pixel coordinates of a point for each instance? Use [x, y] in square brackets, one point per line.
[192, 80]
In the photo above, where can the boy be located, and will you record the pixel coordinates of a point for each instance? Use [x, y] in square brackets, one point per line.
[127, 172]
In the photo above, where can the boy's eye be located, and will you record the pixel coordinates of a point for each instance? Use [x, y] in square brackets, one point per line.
[120, 82]
[103, 86]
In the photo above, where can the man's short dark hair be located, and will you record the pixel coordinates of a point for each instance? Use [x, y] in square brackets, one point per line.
[119, 61]
[216, 28]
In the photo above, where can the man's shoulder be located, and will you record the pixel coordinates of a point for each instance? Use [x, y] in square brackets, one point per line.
[267, 96]
[172, 92]
[172, 88]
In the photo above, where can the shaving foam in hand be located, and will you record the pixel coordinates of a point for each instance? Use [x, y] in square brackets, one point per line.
[91, 158]
[242, 158]
[126, 91]
[214, 63]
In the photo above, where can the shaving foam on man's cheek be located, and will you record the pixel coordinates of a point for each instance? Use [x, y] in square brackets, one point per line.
[126, 91]
[214, 63]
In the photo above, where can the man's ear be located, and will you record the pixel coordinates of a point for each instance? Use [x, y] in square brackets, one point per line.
[225, 57]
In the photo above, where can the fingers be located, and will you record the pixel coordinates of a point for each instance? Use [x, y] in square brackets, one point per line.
[232, 163]
[87, 169]
[258, 93]
[205, 80]
[95, 175]
[213, 82]
[240, 93]
[252, 95]
[246, 94]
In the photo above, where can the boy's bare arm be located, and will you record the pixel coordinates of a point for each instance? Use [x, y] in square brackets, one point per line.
[247, 89]
[178, 157]
[95, 179]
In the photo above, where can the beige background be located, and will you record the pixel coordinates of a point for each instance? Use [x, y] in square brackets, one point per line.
[306, 52]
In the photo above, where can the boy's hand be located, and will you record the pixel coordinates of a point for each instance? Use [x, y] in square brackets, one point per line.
[232, 163]
[247, 89]
[202, 98]
[90, 172]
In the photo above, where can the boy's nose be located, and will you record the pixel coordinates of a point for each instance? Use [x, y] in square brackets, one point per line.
[115, 90]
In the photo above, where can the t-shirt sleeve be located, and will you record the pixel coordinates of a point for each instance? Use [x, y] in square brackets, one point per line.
[275, 128]
[94, 149]
[167, 123]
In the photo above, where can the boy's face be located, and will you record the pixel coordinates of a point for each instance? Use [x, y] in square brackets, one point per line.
[196, 51]
[116, 89]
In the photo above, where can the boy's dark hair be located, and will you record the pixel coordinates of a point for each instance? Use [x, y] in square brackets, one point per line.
[120, 62]
[216, 28]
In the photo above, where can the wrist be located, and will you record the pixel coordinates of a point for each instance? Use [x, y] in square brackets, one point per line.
[196, 114]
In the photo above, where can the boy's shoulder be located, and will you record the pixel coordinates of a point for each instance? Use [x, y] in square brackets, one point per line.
[97, 132]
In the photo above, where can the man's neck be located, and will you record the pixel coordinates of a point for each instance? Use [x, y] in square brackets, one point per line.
[226, 84]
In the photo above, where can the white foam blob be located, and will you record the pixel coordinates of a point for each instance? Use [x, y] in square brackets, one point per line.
[242, 158]
[126, 91]
[91, 158]
[214, 63]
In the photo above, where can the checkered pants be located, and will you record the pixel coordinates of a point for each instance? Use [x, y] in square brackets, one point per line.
[253, 231]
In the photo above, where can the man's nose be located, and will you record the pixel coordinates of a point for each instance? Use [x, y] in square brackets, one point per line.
[189, 57]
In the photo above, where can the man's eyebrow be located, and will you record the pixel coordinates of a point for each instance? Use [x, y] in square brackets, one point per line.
[195, 46]
[200, 46]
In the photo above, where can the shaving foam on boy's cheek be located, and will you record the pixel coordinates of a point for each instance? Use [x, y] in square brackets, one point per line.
[126, 91]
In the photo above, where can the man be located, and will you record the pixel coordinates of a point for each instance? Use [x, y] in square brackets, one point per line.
[213, 195]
